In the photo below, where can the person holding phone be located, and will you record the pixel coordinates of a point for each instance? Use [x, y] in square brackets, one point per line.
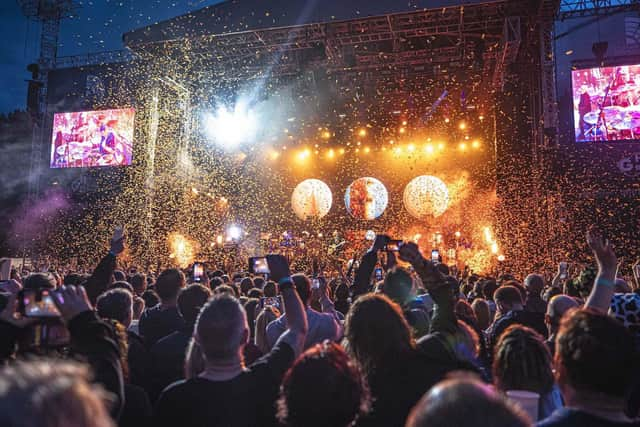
[220, 389]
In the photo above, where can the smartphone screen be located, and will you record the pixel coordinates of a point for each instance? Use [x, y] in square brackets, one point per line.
[393, 246]
[435, 255]
[378, 273]
[258, 265]
[37, 303]
[315, 284]
[198, 271]
[270, 302]
[563, 270]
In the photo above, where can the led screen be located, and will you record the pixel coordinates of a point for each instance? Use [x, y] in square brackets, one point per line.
[606, 103]
[92, 138]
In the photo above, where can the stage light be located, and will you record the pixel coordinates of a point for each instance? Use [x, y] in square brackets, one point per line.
[273, 154]
[501, 258]
[462, 125]
[194, 190]
[357, 150]
[234, 232]
[223, 200]
[475, 144]
[304, 155]
[466, 137]
[402, 130]
[462, 146]
[441, 146]
[341, 151]
[219, 239]
[481, 117]
[446, 120]
[404, 123]
[392, 142]
[367, 150]
[331, 154]
[428, 148]
[494, 248]
[231, 127]
[457, 234]
[326, 134]
[397, 150]
[370, 235]
[362, 132]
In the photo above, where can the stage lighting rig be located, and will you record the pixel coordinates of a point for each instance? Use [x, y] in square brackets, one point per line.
[232, 127]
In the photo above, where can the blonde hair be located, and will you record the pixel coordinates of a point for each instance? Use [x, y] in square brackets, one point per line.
[51, 394]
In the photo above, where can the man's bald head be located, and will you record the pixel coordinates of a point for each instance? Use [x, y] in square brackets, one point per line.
[557, 307]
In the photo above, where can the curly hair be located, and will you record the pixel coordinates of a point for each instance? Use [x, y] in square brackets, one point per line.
[522, 361]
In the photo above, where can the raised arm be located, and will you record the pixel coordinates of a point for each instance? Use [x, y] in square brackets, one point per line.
[604, 286]
[296, 315]
[362, 281]
[99, 280]
[438, 285]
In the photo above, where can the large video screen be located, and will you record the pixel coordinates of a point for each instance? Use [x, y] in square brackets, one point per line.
[92, 138]
[606, 103]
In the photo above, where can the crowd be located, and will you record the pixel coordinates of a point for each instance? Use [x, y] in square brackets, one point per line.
[424, 346]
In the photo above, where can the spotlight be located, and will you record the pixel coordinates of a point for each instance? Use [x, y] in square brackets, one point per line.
[501, 258]
[462, 126]
[462, 146]
[481, 117]
[446, 120]
[475, 144]
[428, 148]
[494, 248]
[194, 190]
[457, 234]
[273, 154]
[326, 134]
[234, 232]
[362, 132]
[342, 151]
[402, 130]
[367, 149]
[441, 146]
[331, 154]
[219, 239]
[231, 127]
[411, 147]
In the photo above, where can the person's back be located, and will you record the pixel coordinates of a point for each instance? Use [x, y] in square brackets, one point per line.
[219, 389]
[161, 320]
[168, 354]
[322, 326]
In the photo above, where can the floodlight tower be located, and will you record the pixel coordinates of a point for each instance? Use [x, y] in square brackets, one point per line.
[49, 13]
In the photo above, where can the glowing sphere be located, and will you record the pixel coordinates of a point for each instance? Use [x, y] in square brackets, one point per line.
[366, 198]
[426, 196]
[370, 235]
[311, 199]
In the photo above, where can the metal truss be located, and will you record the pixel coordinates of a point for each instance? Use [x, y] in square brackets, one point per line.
[110, 57]
[445, 35]
[583, 8]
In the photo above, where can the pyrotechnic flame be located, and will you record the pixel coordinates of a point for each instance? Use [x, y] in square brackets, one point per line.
[183, 250]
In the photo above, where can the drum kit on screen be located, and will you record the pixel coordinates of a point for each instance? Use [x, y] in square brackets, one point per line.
[614, 122]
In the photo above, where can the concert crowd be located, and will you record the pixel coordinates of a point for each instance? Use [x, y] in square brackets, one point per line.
[417, 345]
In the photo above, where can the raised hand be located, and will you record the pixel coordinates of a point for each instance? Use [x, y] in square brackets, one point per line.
[409, 252]
[603, 251]
[278, 266]
[71, 301]
[117, 241]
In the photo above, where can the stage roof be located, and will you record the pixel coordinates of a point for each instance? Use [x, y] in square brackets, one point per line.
[245, 15]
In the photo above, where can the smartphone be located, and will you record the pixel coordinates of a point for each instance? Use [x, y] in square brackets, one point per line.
[258, 265]
[393, 245]
[563, 270]
[270, 302]
[315, 284]
[198, 271]
[435, 255]
[37, 303]
[118, 233]
[378, 274]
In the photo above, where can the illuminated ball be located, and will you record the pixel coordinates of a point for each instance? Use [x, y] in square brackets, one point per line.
[426, 196]
[366, 198]
[311, 199]
[370, 235]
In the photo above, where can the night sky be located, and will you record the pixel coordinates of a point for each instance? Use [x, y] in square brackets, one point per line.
[98, 26]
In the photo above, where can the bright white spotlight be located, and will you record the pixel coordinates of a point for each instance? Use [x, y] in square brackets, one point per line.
[230, 128]
[234, 232]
